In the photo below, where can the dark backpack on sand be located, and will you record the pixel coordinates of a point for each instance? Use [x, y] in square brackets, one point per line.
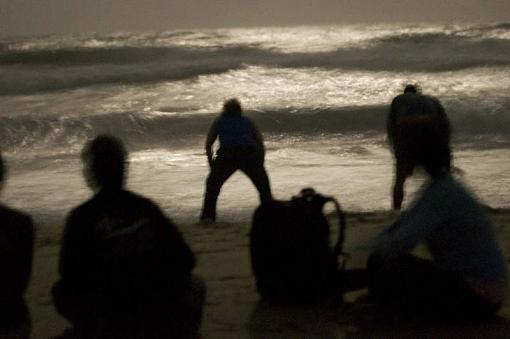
[290, 252]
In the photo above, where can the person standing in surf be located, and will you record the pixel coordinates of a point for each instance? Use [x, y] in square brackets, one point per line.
[241, 147]
[407, 111]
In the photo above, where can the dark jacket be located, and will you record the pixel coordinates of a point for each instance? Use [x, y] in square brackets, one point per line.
[120, 246]
[16, 252]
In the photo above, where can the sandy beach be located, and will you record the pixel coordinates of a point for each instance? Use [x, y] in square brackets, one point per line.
[233, 309]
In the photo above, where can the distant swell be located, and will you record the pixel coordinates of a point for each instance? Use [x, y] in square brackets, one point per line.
[29, 71]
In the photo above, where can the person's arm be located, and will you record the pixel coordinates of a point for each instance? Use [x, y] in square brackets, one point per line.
[72, 256]
[445, 122]
[390, 123]
[413, 225]
[17, 265]
[209, 141]
[259, 140]
[26, 251]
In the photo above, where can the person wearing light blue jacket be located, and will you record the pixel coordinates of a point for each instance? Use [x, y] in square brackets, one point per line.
[467, 276]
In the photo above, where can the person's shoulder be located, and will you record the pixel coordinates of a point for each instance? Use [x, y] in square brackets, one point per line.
[404, 96]
[453, 191]
[135, 199]
[398, 97]
[402, 101]
[249, 121]
[217, 119]
[430, 98]
[85, 207]
[13, 212]
[11, 216]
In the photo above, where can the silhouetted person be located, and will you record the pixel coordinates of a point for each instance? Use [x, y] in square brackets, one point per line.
[241, 147]
[124, 267]
[406, 109]
[467, 277]
[16, 251]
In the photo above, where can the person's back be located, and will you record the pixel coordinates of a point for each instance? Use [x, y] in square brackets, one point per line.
[234, 130]
[462, 238]
[16, 251]
[457, 231]
[409, 112]
[121, 245]
[410, 109]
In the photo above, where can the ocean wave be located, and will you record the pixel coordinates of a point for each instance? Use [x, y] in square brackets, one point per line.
[148, 130]
[35, 70]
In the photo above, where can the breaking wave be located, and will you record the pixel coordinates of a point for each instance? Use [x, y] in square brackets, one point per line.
[31, 67]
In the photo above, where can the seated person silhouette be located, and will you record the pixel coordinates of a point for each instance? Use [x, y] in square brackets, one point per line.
[467, 276]
[406, 109]
[124, 267]
[241, 147]
[16, 251]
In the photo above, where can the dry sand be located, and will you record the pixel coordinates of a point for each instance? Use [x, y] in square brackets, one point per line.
[233, 310]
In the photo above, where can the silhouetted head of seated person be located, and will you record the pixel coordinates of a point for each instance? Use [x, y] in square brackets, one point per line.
[104, 160]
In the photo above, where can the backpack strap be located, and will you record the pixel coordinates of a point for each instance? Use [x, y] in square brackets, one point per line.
[309, 194]
[338, 249]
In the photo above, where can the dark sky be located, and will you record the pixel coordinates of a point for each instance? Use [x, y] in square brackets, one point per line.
[22, 17]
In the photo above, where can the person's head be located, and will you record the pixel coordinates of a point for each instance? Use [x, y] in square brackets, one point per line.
[411, 88]
[232, 106]
[104, 160]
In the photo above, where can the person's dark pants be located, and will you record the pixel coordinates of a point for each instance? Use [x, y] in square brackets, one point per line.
[415, 286]
[93, 315]
[249, 161]
[14, 319]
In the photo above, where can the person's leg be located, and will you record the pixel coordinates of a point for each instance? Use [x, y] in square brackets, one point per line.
[254, 169]
[178, 316]
[401, 173]
[416, 286]
[78, 308]
[15, 322]
[221, 170]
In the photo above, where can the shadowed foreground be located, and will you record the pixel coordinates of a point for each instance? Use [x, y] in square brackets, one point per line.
[233, 309]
